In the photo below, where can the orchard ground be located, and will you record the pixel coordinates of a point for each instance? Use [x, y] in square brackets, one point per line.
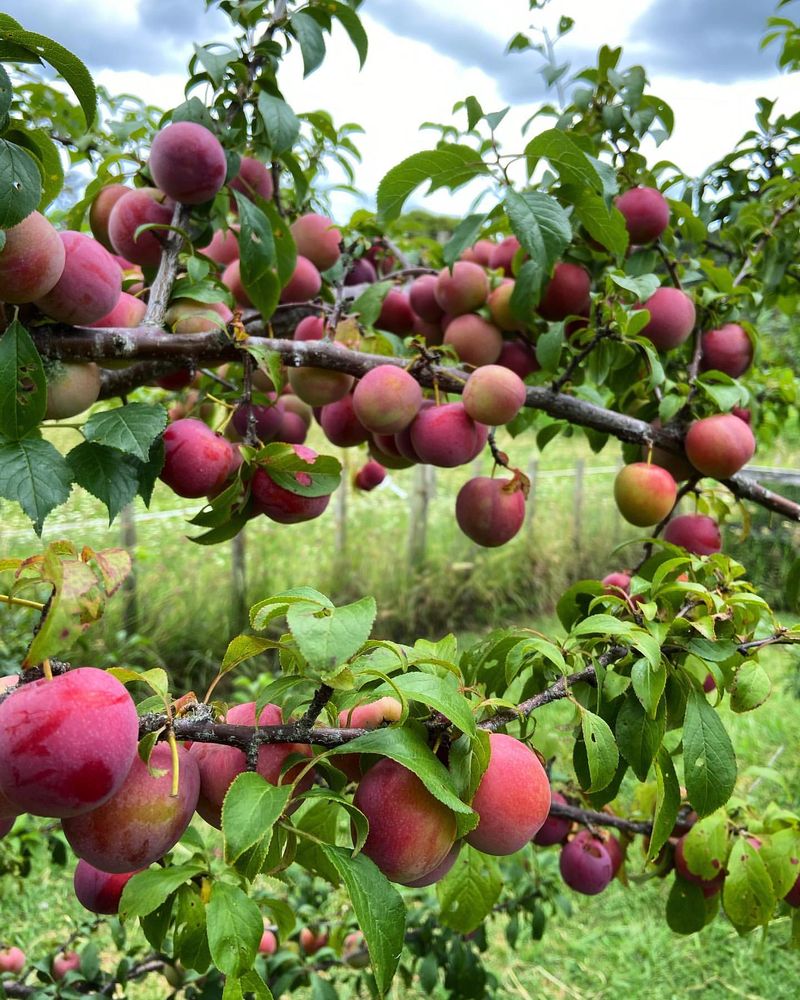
[609, 946]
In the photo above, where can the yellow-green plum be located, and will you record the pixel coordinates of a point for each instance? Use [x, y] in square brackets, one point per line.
[71, 389]
[645, 493]
[512, 800]
[475, 340]
[493, 395]
[410, 831]
[387, 399]
[31, 261]
[719, 446]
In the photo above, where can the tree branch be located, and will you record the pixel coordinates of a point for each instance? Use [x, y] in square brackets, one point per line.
[590, 817]
[161, 289]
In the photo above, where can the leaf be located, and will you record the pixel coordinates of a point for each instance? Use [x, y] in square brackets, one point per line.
[706, 846]
[439, 694]
[605, 225]
[686, 907]
[68, 66]
[311, 40]
[548, 347]
[328, 637]
[601, 750]
[540, 224]
[39, 144]
[464, 235]
[638, 736]
[747, 895]
[234, 927]
[244, 647]
[251, 808]
[132, 428]
[408, 747]
[565, 154]
[781, 856]
[281, 123]
[642, 286]
[751, 687]
[258, 256]
[23, 387]
[708, 757]
[368, 304]
[191, 941]
[668, 801]
[378, 908]
[104, 473]
[146, 891]
[351, 23]
[449, 166]
[6, 93]
[648, 684]
[34, 475]
[469, 891]
[20, 184]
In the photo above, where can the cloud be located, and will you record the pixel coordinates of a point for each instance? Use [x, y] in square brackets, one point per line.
[155, 35]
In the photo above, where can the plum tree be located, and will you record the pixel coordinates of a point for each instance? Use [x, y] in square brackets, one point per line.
[187, 162]
[66, 774]
[491, 511]
[645, 494]
[720, 445]
[512, 800]
[387, 399]
[99, 891]
[646, 213]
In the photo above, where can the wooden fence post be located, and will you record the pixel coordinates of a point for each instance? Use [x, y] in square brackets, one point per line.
[421, 493]
[130, 603]
[238, 582]
[533, 471]
[578, 505]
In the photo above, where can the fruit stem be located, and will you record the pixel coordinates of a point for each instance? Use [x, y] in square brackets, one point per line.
[47, 670]
[173, 746]
[21, 602]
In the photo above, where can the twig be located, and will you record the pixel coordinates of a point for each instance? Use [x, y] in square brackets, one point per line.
[322, 696]
[669, 264]
[589, 817]
[556, 691]
[761, 242]
[161, 288]
[558, 384]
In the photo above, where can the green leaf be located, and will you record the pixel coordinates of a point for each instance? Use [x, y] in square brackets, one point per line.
[251, 808]
[408, 747]
[244, 647]
[62, 60]
[281, 123]
[351, 23]
[751, 687]
[328, 637]
[34, 475]
[149, 889]
[548, 347]
[563, 152]
[781, 856]
[312, 42]
[191, 941]
[540, 224]
[648, 684]
[601, 750]
[706, 846]
[440, 694]
[104, 473]
[469, 891]
[6, 93]
[20, 184]
[378, 909]
[642, 286]
[604, 224]
[638, 736]
[464, 235]
[449, 166]
[234, 927]
[131, 428]
[527, 289]
[747, 895]
[708, 757]
[257, 256]
[23, 387]
[39, 144]
[686, 907]
[668, 801]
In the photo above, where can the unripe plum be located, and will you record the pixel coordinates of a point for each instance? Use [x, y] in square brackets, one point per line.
[361, 273]
[490, 511]
[719, 446]
[64, 962]
[267, 421]
[142, 820]
[396, 314]
[444, 435]
[340, 423]
[710, 887]
[304, 283]
[646, 214]
[555, 829]
[254, 178]
[369, 476]
[187, 162]
[12, 959]
[224, 246]
[268, 944]
[139, 208]
[319, 386]
[697, 533]
[71, 389]
[476, 341]
[410, 831]
[493, 395]
[585, 864]
[310, 328]
[519, 357]
[232, 279]
[192, 316]
[32, 260]
[512, 800]
[280, 504]
[128, 312]
[387, 399]
[644, 493]
[196, 460]
[566, 293]
[100, 210]
[220, 765]
[503, 253]
[462, 291]
[422, 296]
[99, 891]
[66, 744]
[317, 239]
[672, 317]
[499, 303]
[90, 284]
[727, 350]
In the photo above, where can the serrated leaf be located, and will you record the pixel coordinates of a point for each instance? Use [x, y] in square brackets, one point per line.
[351, 23]
[638, 736]
[39, 144]
[747, 895]
[34, 475]
[751, 687]
[368, 304]
[103, 472]
[131, 428]
[251, 808]
[234, 927]
[281, 123]
[146, 891]
[540, 224]
[668, 801]
[781, 856]
[23, 387]
[257, 256]
[705, 847]
[243, 647]
[601, 751]
[20, 184]
[439, 694]
[605, 225]
[709, 758]
[378, 908]
[327, 637]
[648, 684]
[449, 166]
[563, 152]
[464, 235]
[469, 891]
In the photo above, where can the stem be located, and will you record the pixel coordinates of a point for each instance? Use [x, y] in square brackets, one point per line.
[173, 746]
[21, 602]
[167, 269]
[589, 817]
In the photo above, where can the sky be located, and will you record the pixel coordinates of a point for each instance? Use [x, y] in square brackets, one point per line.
[702, 57]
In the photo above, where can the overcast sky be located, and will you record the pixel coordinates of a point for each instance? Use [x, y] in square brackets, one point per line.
[702, 57]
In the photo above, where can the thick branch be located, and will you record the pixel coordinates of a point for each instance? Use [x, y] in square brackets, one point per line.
[589, 817]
